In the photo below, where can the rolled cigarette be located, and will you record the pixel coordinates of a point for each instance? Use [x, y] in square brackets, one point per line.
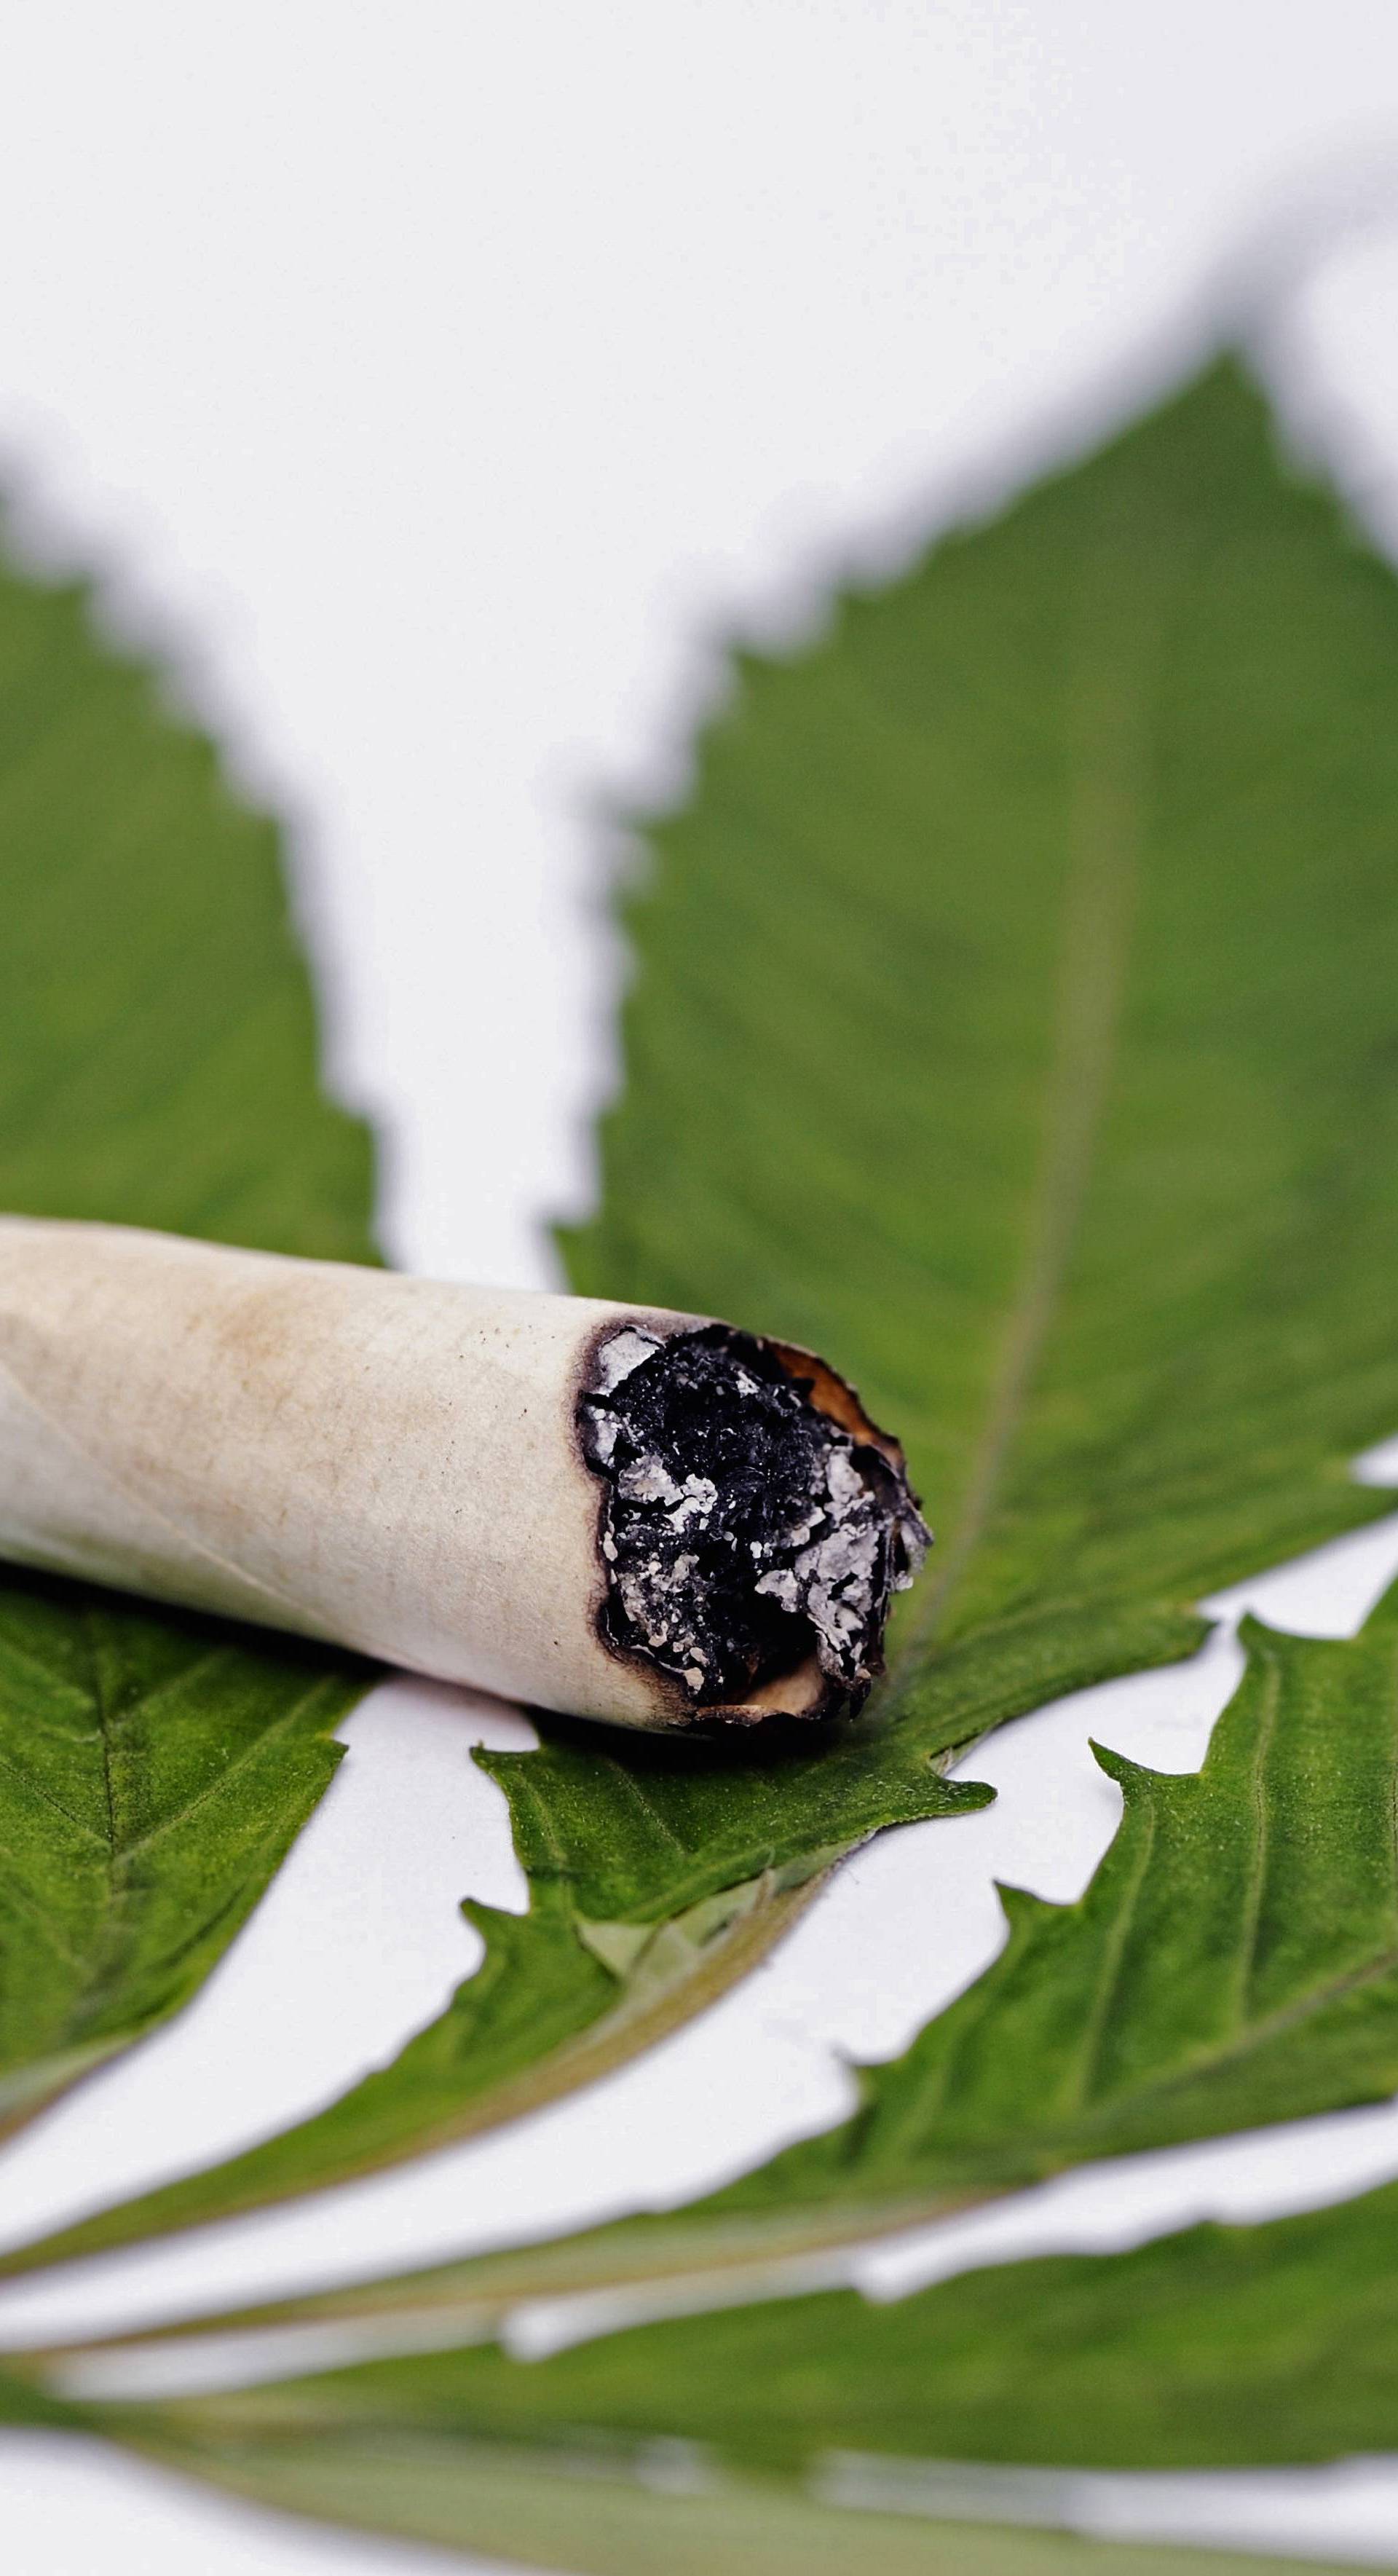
[618, 1512]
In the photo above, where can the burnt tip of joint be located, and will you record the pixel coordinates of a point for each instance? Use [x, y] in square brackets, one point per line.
[754, 1525]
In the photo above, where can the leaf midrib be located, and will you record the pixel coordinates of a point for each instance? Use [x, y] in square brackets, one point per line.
[1262, 1836]
[94, 1962]
[1104, 838]
[105, 1937]
[1207, 2061]
[1260, 2034]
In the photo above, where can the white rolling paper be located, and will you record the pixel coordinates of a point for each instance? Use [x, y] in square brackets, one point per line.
[436, 1475]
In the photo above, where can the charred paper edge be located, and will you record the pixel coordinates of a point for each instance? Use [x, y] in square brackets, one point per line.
[828, 1393]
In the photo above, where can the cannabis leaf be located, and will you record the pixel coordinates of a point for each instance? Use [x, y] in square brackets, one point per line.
[157, 1067]
[1217, 2347]
[560, 1998]
[158, 1042]
[1013, 1018]
[1233, 1962]
[373, 2455]
[154, 1771]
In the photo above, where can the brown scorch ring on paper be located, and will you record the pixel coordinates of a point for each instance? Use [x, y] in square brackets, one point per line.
[752, 1542]
[646, 1518]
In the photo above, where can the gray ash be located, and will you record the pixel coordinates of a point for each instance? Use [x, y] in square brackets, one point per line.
[741, 1527]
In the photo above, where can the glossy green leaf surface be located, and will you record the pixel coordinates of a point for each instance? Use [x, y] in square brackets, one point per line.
[157, 1067]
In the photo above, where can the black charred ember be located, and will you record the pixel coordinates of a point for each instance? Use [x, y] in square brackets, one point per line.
[742, 1529]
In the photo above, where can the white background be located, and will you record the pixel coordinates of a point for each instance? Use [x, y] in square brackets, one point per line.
[437, 386]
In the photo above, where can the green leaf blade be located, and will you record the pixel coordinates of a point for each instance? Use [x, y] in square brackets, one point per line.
[557, 2002]
[1218, 2347]
[1008, 958]
[159, 1053]
[1013, 1019]
[1233, 1962]
[159, 1067]
[640, 1832]
[154, 1772]
[598, 2510]
[1214, 1977]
